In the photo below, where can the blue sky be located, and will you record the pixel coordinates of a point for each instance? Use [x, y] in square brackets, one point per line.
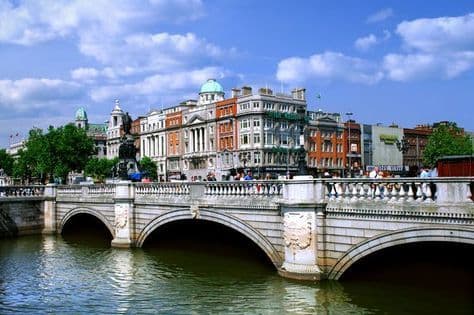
[407, 62]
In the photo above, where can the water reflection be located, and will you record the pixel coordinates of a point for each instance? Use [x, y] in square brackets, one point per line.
[53, 275]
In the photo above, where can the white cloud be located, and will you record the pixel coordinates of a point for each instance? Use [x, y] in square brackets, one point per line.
[154, 87]
[380, 15]
[31, 93]
[439, 34]
[439, 47]
[84, 74]
[328, 66]
[31, 21]
[417, 66]
[365, 43]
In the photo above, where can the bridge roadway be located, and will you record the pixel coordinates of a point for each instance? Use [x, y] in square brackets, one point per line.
[309, 228]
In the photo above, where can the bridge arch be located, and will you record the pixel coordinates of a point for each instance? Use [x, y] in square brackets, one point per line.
[406, 236]
[82, 210]
[222, 218]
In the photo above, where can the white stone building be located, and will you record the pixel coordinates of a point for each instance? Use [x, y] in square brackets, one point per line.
[114, 131]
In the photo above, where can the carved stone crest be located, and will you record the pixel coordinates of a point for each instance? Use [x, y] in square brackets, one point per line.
[121, 219]
[297, 230]
[195, 211]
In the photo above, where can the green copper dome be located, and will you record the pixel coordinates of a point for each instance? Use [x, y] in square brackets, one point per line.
[211, 86]
[81, 114]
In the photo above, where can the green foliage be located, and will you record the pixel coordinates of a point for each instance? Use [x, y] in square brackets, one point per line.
[100, 169]
[22, 168]
[149, 167]
[55, 153]
[6, 162]
[446, 140]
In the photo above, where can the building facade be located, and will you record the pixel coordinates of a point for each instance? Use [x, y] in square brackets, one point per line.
[269, 127]
[97, 132]
[325, 143]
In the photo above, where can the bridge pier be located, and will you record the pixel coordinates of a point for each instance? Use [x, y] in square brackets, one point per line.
[303, 202]
[123, 206]
[50, 209]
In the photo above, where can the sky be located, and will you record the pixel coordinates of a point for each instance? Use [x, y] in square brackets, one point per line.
[402, 62]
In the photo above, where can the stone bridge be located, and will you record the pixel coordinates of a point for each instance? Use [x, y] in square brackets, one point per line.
[309, 228]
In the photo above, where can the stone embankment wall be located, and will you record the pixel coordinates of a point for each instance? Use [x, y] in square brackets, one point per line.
[21, 217]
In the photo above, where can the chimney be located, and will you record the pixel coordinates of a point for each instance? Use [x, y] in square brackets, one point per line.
[265, 91]
[299, 94]
[235, 92]
[246, 90]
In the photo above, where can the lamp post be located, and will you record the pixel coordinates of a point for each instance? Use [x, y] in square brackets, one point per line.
[290, 140]
[302, 152]
[349, 114]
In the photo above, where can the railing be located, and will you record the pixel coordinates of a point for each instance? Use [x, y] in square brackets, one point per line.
[21, 191]
[426, 190]
[162, 189]
[391, 190]
[244, 188]
[86, 190]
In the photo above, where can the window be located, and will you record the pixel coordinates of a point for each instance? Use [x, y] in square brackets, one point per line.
[256, 138]
[256, 104]
[256, 158]
[267, 105]
[284, 125]
[268, 123]
[268, 137]
[244, 106]
[244, 124]
[256, 122]
[244, 139]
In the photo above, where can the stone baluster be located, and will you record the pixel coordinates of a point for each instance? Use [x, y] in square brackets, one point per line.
[394, 192]
[354, 191]
[347, 191]
[410, 194]
[419, 193]
[401, 194]
[377, 192]
[339, 191]
[363, 191]
[428, 194]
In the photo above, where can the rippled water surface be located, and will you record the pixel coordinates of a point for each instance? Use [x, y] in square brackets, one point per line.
[53, 275]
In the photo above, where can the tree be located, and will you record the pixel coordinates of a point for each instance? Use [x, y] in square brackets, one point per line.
[446, 140]
[22, 167]
[100, 169]
[55, 153]
[6, 162]
[148, 167]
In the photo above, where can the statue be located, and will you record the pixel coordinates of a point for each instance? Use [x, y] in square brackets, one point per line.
[127, 151]
[127, 123]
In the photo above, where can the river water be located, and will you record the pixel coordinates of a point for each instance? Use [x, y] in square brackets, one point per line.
[80, 275]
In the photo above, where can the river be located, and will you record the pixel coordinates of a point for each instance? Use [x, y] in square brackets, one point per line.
[80, 275]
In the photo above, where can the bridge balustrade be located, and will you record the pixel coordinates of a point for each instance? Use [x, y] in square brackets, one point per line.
[396, 190]
[244, 188]
[22, 191]
[162, 189]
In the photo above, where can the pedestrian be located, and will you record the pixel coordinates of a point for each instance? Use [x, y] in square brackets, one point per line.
[248, 176]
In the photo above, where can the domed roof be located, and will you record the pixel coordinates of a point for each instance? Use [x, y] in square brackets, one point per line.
[81, 114]
[211, 86]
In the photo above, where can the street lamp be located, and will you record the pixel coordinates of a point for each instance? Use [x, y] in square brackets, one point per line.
[349, 114]
[402, 146]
